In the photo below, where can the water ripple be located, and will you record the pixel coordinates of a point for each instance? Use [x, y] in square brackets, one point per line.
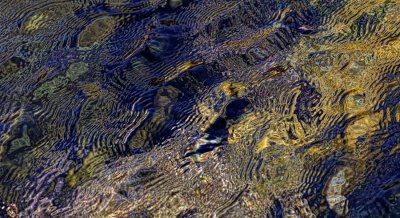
[214, 108]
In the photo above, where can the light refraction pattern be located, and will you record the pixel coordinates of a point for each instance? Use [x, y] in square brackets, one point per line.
[199, 108]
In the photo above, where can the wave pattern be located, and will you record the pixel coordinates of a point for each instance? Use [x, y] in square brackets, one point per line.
[214, 108]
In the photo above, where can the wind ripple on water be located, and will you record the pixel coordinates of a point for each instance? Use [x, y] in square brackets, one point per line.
[178, 108]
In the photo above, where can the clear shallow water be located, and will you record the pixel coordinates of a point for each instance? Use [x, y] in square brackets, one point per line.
[199, 108]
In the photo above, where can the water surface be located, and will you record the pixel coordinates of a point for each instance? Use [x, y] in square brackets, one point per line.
[189, 108]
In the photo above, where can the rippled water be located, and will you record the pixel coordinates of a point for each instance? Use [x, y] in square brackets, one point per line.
[212, 108]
